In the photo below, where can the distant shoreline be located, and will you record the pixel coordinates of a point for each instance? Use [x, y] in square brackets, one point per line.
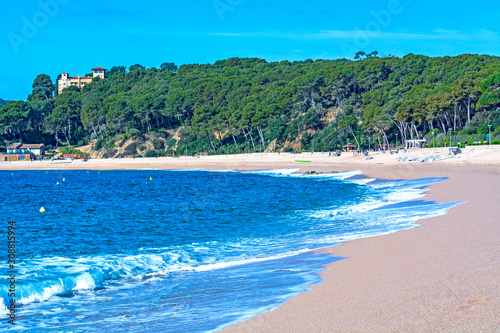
[472, 155]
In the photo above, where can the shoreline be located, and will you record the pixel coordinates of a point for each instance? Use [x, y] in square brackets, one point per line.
[441, 276]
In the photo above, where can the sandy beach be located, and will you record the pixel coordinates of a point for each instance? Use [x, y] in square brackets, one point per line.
[440, 277]
[443, 276]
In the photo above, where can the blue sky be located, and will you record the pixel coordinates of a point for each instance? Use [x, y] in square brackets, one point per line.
[54, 36]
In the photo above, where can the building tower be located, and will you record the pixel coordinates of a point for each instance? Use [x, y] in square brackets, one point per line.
[99, 71]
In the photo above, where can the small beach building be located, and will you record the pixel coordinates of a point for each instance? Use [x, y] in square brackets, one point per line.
[349, 147]
[14, 148]
[23, 152]
[34, 149]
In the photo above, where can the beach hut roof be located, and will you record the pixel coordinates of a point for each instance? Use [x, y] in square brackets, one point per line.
[32, 146]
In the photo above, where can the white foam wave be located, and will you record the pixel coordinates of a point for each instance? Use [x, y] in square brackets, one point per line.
[85, 282]
[220, 265]
[186, 170]
[275, 172]
[342, 175]
[336, 175]
[365, 181]
[294, 173]
[75, 275]
[370, 204]
[44, 294]
[393, 193]
[284, 172]
[200, 170]
[3, 307]
[379, 227]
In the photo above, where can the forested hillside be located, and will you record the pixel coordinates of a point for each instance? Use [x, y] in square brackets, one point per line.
[3, 102]
[238, 104]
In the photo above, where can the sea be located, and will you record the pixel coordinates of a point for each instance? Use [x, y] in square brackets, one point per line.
[181, 251]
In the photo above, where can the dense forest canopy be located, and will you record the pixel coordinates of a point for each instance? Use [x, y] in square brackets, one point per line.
[247, 104]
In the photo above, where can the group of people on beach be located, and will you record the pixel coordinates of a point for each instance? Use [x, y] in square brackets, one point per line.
[359, 152]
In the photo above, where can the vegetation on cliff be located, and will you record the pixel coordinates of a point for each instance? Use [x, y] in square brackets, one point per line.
[238, 105]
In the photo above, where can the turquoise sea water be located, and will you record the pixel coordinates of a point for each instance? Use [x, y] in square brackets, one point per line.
[188, 251]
